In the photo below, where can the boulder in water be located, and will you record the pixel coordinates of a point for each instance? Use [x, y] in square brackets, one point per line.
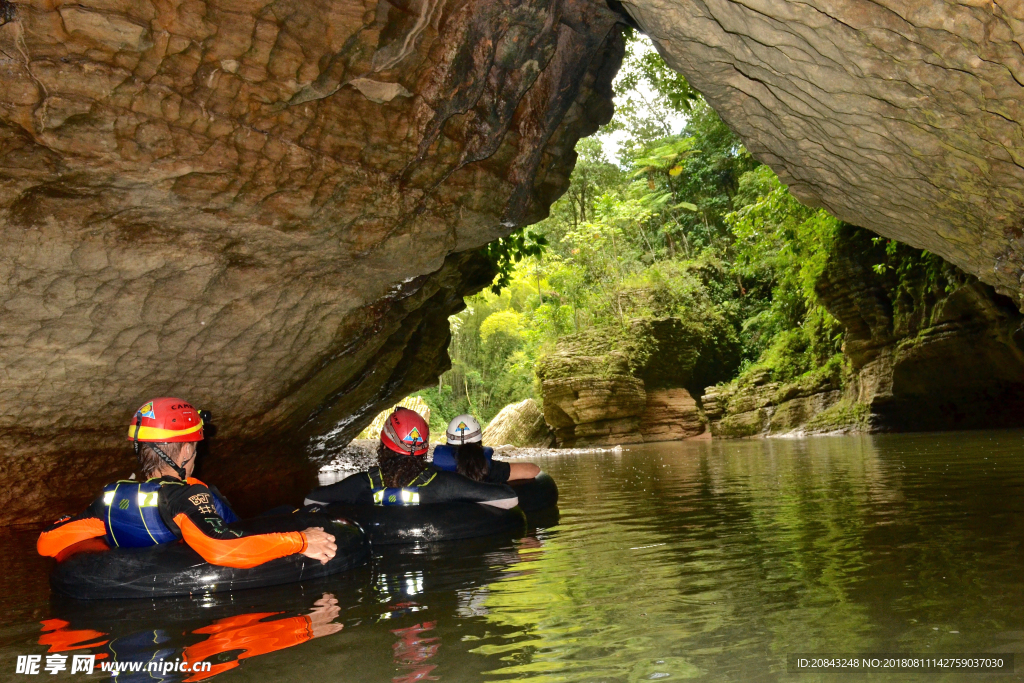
[520, 424]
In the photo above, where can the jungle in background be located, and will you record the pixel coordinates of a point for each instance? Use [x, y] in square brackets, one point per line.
[683, 222]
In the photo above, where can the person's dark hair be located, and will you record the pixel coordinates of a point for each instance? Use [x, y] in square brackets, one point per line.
[470, 460]
[150, 462]
[396, 469]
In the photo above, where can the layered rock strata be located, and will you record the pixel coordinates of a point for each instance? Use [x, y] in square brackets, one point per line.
[604, 389]
[931, 348]
[902, 116]
[269, 208]
[670, 415]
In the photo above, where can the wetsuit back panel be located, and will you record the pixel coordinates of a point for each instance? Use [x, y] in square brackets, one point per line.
[405, 495]
[133, 515]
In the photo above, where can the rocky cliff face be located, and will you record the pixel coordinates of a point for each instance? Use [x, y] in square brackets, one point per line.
[601, 388]
[932, 347]
[927, 347]
[902, 116]
[270, 208]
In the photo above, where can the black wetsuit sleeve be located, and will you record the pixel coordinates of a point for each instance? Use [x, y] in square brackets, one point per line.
[195, 501]
[353, 490]
[96, 509]
[498, 473]
[449, 487]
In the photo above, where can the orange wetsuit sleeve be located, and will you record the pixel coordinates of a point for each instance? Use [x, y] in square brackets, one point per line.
[242, 552]
[67, 533]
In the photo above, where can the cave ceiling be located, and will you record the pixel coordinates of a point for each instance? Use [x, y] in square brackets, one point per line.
[270, 207]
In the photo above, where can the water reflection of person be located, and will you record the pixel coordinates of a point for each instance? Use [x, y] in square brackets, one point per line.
[472, 601]
[234, 638]
[257, 634]
[413, 651]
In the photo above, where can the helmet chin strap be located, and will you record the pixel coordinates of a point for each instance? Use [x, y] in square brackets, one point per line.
[178, 469]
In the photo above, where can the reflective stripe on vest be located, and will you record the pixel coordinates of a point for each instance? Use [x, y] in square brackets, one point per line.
[444, 457]
[405, 495]
[133, 515]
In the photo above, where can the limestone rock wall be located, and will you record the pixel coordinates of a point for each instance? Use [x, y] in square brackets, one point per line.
[519, 424]
[270, 208]
[901, 116]
[923, 351]
[670, 415]
[602, 389]
[939, 353]
[759, 407]
[592, 411]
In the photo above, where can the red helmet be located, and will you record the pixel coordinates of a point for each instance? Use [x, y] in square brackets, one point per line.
[166, 420]
[405, 432]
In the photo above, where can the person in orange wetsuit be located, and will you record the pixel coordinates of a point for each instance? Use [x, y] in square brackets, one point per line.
[170, 504]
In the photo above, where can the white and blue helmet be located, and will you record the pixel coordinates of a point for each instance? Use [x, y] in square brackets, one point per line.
[464, 429]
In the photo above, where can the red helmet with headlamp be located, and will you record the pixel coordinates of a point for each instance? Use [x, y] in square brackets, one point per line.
[405, 432]
[166, 420]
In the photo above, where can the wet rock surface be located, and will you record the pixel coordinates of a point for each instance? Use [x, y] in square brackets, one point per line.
[269, 208]
[901, 116]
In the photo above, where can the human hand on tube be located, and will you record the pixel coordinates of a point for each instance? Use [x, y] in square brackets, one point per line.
[319, 544]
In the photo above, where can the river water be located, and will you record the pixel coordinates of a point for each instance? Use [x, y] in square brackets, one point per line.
[710, 561]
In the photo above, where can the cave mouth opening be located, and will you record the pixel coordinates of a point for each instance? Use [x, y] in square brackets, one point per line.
[922, 397]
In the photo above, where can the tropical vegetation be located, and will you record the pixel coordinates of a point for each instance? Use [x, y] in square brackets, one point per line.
[682, 222]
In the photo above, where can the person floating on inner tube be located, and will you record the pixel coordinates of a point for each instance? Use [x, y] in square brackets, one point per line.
[466, 454]
[170, 504]
[403, 477]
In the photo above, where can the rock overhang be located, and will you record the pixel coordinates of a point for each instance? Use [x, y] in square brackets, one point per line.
[903, 117]
[270, 208]
[283, 198]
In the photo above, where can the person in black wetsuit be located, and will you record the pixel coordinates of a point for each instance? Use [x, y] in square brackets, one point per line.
[466, 454]
[403, 477]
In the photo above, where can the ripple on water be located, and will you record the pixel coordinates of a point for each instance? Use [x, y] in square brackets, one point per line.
[708, 561]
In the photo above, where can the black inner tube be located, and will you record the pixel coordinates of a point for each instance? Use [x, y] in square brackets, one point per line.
[539, 493]
[176, 569]
[394, 524]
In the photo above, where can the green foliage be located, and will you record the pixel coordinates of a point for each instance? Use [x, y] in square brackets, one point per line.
[687, 228]
[505, 252]
[649, 96]
[781, 247]
[914, 268]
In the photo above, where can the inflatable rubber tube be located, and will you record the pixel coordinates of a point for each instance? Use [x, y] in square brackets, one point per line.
[392, 524]
[539, 493]
[176, 569]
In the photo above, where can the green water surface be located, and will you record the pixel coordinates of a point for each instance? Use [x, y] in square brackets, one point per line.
[705, 561]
